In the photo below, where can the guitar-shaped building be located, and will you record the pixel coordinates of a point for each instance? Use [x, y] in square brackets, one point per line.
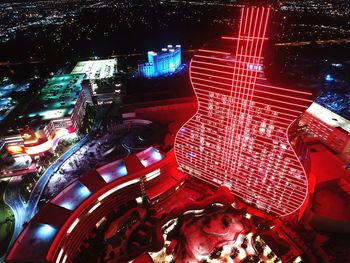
[241, 134]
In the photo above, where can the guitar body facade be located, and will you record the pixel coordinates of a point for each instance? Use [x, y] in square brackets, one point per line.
[241, 134]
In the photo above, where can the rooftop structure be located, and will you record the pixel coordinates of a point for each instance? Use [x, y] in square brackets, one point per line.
[57, 99]
[330, 128]
[100, 77]
[7, 90]
[6, 106]
[7, 103]
[97, 69]
[159, 64]
[328, 117]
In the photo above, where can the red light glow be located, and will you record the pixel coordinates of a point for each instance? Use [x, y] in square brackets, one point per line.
[46, 146]
[239, 136]
[14, 149]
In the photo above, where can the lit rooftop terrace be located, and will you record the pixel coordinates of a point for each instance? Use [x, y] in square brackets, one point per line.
[56, 100]
[97, 69]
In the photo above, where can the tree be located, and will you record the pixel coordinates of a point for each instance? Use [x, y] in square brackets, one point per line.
[89, 118]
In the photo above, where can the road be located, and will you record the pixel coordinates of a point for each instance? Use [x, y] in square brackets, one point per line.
[12, 197]
[14, 200]
[44, 179]
[318, 42]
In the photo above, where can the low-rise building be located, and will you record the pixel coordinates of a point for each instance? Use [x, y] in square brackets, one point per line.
[57, 111]
[332, 129]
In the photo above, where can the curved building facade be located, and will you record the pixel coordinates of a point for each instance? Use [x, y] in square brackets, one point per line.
[58, 231]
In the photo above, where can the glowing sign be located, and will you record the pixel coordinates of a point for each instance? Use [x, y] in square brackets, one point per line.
[44, 147]
[26, 136]
[13, 149]
[48, 145]
[239, 136]
[37, 149]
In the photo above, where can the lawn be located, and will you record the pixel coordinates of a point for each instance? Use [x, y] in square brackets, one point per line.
[6, 222]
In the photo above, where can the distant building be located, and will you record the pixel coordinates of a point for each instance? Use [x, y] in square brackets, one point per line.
[7, 102]
[159, 64]
[97, 69]
[58, 111]
[100, 78]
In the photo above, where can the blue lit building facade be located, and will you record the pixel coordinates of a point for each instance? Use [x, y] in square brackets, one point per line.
[160, 64]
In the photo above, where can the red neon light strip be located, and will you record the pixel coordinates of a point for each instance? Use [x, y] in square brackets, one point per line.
[257, 90]
[258, 84]
[283, 180]
[252, 81]
[224, 161]
[283, 102]
[264, 143]
[236, 61]
[276, 211]
[215, 58]
[245, 38]
[219, 71]
[214, 51]
[250, 56]
[256, 108]
[213, 64]
[244, 69]
[255, 138]
[229, 145]
[214, 118]
[222, 59]
[296, 192]
[221, 89]
[254, 121]
[272, 137]
[276, 123]
[251, 173]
